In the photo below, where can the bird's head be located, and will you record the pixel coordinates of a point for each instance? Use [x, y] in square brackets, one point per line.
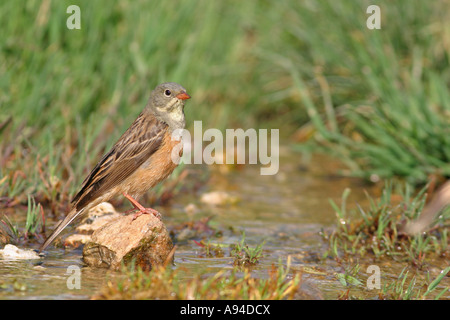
[167, 103]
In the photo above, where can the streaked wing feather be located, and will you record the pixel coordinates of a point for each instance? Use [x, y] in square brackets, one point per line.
[135, 146]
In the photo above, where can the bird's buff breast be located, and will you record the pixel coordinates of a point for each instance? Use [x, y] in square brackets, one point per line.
[157, 168]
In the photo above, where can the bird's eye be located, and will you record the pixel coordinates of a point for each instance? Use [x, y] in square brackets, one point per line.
[167, 93]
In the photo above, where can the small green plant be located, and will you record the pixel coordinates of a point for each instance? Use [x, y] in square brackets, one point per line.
[401, 289]
[9, 233]
[35, 218]
[34, 224]
[244, 255]
[433, 285]
[13, 285]
[349, 277]
[212, 249]
[404, 287]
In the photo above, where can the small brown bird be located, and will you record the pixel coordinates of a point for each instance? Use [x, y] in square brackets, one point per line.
[139, 160]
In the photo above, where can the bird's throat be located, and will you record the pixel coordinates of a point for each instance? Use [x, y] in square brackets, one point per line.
[173, 116]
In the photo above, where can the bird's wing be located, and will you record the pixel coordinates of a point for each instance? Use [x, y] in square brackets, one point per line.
[133, 148]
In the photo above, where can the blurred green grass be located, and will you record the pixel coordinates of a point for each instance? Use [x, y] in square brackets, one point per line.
[376, 99]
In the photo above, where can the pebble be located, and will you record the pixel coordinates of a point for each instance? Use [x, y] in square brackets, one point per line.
[12, 252]
[218, 198]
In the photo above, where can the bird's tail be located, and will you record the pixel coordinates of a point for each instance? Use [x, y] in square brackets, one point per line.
[60, 227]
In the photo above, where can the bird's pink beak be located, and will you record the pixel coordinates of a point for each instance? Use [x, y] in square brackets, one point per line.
[183, 96]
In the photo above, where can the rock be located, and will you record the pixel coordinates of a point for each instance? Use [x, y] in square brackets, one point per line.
[104, 208]
[95, 219]
[12, 252]
[39, 268]
[76, 239]
[218, 198]
[122, 240]
[191, 209]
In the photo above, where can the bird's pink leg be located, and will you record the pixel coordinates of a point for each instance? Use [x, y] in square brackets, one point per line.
[142, 210]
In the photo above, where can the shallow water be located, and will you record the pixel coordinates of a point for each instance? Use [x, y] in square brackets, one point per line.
[287, 211]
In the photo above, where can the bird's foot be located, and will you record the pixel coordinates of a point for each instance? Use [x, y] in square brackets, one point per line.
[147, 211]
[142, 210]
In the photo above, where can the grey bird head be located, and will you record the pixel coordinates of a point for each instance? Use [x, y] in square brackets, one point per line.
[167, 104]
